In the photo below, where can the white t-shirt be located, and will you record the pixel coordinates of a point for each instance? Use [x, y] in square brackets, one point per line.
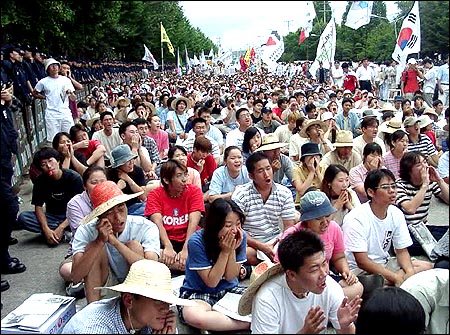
[276, 310]
[234, 137]
[364, 232]
[109, 142]
[56, 98]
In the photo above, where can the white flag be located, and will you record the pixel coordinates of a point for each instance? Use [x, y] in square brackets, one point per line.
[326, 47]
[408, 41]
[211, 53]
[359, 14]
[272, 50]
[149, 57]
[306, 16]
[226, 58]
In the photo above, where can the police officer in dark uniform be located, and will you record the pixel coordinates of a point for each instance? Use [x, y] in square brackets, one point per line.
[9, 203]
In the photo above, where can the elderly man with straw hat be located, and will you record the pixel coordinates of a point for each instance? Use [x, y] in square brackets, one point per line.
[343, 154]
[297, 295]
[109, 240]
[143, 306]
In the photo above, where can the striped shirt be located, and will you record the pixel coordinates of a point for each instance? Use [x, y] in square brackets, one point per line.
[406, 191]
[424, 146]
[263, 219]
[392, 163]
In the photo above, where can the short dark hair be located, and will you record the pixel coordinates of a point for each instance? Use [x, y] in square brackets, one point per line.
[202, 143]
[57, 137]
[168, 169]
[102, 115]
[239, 111]
[139, 121]
[197, 120]
[123, 127]
[296, 247]
[174, 148]
[347, 100]
[395, 136]
[371, 148]
[369, 121]
[373, 179]
[391, 306]
[90, 170]
[75, 129]
[253, 159]
[45, 153]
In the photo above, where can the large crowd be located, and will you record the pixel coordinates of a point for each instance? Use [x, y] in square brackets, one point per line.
[315, 187]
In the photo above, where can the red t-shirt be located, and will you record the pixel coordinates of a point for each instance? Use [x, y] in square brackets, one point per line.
[208, 168]
[412, 84]
[87, 152]
[175, 211]
[350, 82]
[277, 111]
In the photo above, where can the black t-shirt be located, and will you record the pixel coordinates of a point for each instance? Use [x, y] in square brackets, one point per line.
[137, 175]
[55, 194]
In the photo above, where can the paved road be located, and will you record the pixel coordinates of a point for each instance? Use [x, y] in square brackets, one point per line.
[43, 262]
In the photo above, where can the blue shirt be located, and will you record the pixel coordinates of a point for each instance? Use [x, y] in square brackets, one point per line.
[221, 181]
[353, 123]
[198, 260]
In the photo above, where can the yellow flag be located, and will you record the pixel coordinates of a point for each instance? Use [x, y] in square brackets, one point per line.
[165, 38]
[247, 57]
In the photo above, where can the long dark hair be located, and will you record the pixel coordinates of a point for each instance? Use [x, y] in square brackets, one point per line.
[330, 173]
[248, 135]
[214, 222]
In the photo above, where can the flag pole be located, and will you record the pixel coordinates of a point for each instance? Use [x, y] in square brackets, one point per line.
[162, 52]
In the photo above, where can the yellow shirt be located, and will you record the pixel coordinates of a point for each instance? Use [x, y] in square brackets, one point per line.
[300, 173]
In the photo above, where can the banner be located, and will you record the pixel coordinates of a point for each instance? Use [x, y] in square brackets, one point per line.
[272, 50]
[359, 14]
[165, 38]
[149, 58]
[226, 58]
[326, 47]
[408, 41]
[307, 16]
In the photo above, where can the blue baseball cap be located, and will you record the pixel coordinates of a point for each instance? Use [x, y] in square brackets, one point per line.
[315, 204]
[398, 98]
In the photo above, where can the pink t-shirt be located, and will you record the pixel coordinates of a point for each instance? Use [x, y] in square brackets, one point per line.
[162, 142]
[333, 239]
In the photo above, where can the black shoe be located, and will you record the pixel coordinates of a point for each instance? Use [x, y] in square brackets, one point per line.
[14, 266]
[13, 240]
[5, 285]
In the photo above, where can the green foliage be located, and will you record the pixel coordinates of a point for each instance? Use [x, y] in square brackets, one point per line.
[100, 29]
[377, 39]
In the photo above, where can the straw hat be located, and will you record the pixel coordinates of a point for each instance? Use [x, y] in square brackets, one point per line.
[327, 116]
[430, 111]
[150, 106]
[344, 138]
[123, 98]
[186, 100]
[391, 126]
[271, 142]
[245, 303]
[310, 123]
[105, 196]
[388, 107]
[150, 279]
[94, 118]
[121, 154]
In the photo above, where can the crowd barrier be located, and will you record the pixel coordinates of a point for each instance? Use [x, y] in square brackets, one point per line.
[30, 125]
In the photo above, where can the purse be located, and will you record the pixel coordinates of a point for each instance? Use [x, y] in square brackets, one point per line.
[423, 236]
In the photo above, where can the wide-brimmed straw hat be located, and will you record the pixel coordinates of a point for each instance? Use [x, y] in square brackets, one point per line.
[246, 301]
[388, 107]
[123, 98]
[121, 154]
[344, 138]
[430, 111]
[310, 123]
[186, 100]
[94, 118]
[391, 126]
[271, 142]
[150, 279]
[105, 196]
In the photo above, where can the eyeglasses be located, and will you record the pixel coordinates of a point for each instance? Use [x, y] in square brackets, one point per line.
[386, 187]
